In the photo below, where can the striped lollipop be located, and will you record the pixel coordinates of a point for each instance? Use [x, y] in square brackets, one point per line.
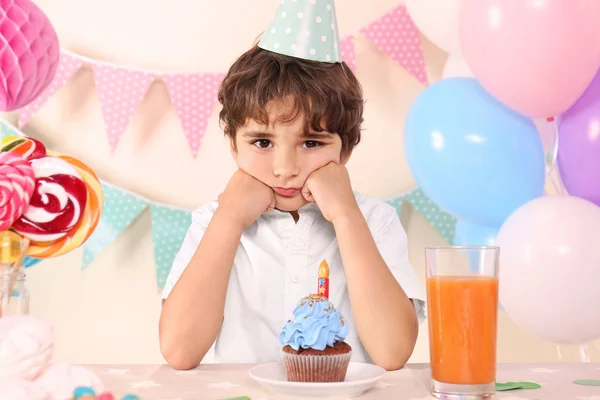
[17, 182]
[66, 204]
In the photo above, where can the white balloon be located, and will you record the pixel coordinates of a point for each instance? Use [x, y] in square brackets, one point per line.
[456, 66]
[550, 268]
[438, 21]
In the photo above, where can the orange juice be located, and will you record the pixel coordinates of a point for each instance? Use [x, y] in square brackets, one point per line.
[462, 314]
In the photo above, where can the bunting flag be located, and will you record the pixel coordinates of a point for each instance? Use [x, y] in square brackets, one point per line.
[397, 204]
[67, 66]
[169, 227]
[443, 222]
[194, 97]
[120, 92]
[348, 54]
[397, 36]
[120, 209]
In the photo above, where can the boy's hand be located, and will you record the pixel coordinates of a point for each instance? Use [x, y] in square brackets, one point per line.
[245, 198]
[329, 186]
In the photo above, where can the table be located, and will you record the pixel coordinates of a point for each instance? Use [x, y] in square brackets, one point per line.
[221, 381]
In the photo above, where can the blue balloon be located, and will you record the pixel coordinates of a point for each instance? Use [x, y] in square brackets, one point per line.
[30, 262]
[467, 234]
[474, 157]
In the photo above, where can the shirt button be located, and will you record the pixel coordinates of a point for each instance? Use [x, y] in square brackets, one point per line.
[295, 278]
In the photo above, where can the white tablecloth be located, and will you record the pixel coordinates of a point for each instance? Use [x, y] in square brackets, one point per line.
[220, 381]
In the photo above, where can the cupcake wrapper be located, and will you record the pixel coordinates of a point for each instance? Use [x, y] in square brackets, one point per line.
[330, 368]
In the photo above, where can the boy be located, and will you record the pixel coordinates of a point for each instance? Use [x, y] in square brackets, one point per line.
[292, 111]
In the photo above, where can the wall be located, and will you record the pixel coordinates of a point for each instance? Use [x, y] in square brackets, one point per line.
[109, 312]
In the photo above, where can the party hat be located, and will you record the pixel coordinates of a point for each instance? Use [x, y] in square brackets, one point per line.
[304, 29]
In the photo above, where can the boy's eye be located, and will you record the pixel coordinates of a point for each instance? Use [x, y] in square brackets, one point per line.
[311, 144]
[262, 143]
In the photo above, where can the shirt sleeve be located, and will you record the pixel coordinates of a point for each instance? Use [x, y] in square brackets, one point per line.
[392, 242]
[200, 220]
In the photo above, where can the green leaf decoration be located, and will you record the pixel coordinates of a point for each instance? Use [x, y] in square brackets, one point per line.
[587, 382]
[530, 385]
[504, 386]
[239, 398]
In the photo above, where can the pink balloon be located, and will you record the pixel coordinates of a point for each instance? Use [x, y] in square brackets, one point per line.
[29, 53]
[550, 268]
[536, 56]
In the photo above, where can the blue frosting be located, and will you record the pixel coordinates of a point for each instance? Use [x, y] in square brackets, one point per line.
[316, 324]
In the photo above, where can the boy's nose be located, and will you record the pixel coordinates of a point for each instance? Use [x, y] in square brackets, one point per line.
[285, 165]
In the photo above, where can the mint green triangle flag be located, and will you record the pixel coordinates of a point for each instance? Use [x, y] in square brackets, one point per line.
[169, 227]
[304, 29]
[119, 210]
[443, 222]
[7, 129]
[397, 204]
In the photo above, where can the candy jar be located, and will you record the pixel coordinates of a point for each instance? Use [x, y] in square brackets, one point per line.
[15, 301]
[14, 296]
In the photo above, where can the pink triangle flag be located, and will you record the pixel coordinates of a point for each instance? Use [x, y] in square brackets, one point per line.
[68, 65]
[396, 35]
[194, 96]
[120, 90]
[348, 54]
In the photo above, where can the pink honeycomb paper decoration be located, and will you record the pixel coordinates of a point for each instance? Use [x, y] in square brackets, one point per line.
[29, 53]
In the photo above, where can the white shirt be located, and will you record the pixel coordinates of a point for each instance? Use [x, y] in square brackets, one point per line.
[277, 263]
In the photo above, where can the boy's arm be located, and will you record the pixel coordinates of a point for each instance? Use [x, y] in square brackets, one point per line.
[384, 316]
[192, 314]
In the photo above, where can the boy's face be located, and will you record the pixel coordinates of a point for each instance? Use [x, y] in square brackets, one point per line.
[282, 156]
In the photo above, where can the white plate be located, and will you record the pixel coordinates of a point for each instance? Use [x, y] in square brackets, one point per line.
[359, 378]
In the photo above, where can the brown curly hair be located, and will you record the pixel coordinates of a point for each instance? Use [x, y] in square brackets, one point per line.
[328, 95]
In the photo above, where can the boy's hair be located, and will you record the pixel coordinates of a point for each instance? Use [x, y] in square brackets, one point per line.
[325, 93]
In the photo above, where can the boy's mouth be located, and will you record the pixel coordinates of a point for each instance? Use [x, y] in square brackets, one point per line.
[286, 192]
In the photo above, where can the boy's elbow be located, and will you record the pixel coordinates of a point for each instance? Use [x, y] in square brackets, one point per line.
[393, 361]
[398, 357]
[177, 356]
[175, 352]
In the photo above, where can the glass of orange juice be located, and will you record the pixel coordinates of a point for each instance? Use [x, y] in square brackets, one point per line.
[462, 308]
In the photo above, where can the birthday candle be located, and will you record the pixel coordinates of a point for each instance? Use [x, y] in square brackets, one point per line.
[323, 287]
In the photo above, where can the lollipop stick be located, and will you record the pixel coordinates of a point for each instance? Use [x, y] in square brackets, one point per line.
[5, 262]
[17, 267]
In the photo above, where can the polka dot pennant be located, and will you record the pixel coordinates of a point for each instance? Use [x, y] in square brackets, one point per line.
[7, 129]
[194, 98]
[304, 29]
[348, 54]
[119, 210]
[169, 226]
[396, 35]
[120, 92]
[443, 222]
[67, 66]
[397, 204]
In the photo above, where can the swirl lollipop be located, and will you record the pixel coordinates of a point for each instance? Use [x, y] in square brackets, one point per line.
[17, 182]
[65, 208]
[66, 204]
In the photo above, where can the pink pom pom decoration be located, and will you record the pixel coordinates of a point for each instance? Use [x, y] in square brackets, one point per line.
[29, 53]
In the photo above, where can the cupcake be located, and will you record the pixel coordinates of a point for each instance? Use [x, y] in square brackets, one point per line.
[313, 342]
